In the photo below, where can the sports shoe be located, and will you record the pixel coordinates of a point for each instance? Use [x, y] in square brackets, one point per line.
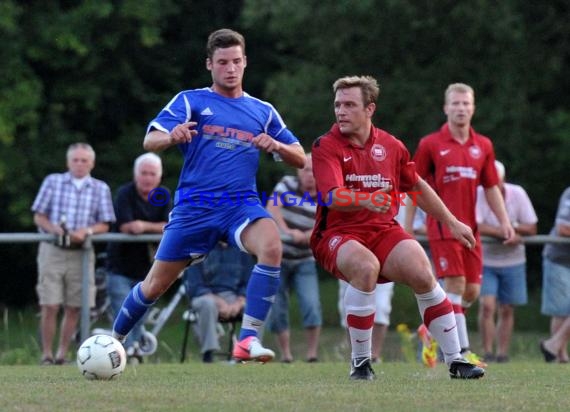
[361, 369]
[474, 359]
[463, 369]
[429, 346]
[249, 349]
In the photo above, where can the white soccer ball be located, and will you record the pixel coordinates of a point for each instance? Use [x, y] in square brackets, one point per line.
[101, 357]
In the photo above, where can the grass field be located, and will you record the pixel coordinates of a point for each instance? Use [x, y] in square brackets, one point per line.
[163, 384]
[520, 386]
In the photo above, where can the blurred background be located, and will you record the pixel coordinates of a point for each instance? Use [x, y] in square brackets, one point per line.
[98, 71]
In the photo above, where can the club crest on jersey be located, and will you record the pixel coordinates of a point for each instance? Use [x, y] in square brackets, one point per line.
[378, 152]
[333, 243]
[443, 263]
[475, 152]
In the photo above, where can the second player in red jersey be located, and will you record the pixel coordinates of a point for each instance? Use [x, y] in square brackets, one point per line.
[455, 160]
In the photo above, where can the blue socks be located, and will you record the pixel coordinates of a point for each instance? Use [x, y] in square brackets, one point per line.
[133, 309]
[261, 290]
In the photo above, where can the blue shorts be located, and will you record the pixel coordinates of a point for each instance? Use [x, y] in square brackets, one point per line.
[555, 289]
[507, 284]
[192, 232]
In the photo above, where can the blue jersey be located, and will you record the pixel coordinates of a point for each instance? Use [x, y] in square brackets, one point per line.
[220, 161]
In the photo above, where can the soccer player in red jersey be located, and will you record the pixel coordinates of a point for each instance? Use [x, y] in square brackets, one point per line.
[455, 160]
[356, 238]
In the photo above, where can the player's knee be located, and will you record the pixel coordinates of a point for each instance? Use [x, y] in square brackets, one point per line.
[270, 252]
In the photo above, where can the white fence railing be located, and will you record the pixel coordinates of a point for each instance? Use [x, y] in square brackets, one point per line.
[120, 237]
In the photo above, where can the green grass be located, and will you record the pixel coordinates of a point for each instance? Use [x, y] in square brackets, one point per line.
[162, 383]
[519, 386]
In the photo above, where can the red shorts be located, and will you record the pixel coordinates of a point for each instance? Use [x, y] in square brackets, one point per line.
[451, 258]
[380, 242]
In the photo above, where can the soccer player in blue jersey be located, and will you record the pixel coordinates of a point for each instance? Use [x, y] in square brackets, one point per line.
[220, 131]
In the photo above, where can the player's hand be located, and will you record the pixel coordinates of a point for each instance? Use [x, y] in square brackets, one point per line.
[183, 133]
[266, 143]
[380, 201]
[463, 234]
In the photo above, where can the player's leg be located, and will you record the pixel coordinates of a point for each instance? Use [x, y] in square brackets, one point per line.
[408, 263]
[144, 294]
[188, 238]
[361, 269]
[448, 257]
[118, 288]
[260, 238]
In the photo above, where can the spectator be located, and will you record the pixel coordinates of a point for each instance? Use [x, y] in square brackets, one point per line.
[556, 286]
[71, 205]
[504, 267]
[293, 208]
[137, 212]
[216, 289]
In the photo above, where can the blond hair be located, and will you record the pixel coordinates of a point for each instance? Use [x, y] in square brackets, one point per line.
[367, 84]
[458, 88]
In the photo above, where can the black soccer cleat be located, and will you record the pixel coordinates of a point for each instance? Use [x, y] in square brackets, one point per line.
[361, 369]
[462, 369]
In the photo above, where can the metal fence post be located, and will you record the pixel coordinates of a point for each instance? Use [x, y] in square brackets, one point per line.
[85, 289]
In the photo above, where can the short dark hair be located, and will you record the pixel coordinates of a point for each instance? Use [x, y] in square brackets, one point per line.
[367, 84]
[224, 38]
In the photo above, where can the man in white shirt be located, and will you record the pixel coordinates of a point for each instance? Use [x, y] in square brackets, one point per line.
[504, 266]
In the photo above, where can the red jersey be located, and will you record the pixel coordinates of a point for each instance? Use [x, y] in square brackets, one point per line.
[454, 170]
[383, 161]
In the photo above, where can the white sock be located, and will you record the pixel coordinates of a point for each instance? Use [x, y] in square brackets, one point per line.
[360, 310]
[437, 313]
[456, 300]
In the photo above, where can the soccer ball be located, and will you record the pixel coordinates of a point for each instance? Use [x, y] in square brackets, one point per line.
[101, 357]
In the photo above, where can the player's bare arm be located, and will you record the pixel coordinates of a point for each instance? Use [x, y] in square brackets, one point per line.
[409, 217]
[430, 202]
[497, 205]
[346, 200]
[292, 154]
[157, 140]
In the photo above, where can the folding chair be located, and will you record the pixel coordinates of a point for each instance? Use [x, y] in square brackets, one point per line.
[229, 327]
